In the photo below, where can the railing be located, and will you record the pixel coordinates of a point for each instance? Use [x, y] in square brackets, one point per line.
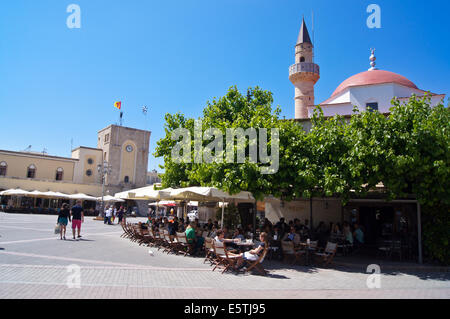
[304, 67]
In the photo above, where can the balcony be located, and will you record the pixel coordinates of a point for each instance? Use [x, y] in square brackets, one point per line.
[304, 67]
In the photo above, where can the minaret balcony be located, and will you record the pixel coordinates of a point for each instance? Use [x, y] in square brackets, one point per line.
[304, 67]
[304, 72]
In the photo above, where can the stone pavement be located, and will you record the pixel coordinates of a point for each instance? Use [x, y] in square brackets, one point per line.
[34, 263]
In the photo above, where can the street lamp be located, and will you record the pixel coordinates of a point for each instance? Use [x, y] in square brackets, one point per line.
[104, 170]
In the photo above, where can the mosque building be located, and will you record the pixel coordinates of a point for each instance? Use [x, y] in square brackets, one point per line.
[372, 89]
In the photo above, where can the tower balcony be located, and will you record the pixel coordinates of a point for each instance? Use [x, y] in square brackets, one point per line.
[304, 67]
[304, 72]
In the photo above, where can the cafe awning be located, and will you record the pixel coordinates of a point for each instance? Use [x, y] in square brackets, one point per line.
[82, 196]
[110, 198]
[145, 193]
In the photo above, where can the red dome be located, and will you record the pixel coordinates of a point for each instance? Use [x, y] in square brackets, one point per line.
[373, 77]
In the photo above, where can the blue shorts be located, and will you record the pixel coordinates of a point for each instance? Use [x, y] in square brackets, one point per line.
[62, 221]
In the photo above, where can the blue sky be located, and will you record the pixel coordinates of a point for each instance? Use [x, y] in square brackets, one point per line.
[58, 84]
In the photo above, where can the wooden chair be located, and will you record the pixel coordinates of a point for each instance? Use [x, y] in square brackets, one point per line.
[224, 260]
[159, 239]
[209, 250]
[257, 264]
[289, 250]
[328, 254]
[171, 246]
[127, 230]
[165, 245]
[156, 242]
[184, 246]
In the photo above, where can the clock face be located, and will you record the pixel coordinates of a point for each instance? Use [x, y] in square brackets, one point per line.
[129, 148]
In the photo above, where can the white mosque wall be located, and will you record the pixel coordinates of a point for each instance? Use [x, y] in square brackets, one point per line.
[361, 95]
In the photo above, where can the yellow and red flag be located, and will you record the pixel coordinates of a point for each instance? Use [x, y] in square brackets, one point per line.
[118, 105]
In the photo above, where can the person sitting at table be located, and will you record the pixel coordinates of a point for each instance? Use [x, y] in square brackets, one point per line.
[276, 234]
[193, 239]
[292, 236]
[253, 254]
[335, 230]
[282, 226]
[238, 235]
[226, 234]
[219, 240]
[173, 227]
[358, 235]
[209, 225]
[297, 225]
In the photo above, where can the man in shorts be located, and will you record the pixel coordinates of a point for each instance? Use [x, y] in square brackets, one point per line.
[77, 218]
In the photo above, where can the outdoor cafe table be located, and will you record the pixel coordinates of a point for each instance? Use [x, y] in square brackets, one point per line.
[308, 251]
[244, 245]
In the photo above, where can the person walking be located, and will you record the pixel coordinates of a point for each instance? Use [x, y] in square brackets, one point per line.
[63, 219]
[108, 214]
[77, 215]
[114, 214]
[120, 214]
[105, 214]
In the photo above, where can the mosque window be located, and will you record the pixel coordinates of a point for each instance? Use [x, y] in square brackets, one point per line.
[372, 107]
[302, 59]
[59, 174]
[31, 171]
[90, 161]
[89, 172]
[3, 167]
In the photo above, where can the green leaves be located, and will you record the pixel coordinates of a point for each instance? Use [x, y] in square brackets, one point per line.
[408, 151]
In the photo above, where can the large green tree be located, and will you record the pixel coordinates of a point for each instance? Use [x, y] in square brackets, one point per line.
[407, 151]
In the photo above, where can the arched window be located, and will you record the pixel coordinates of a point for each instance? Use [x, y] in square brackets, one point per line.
[31, 171]
[302, 59]
[126, 179]
[59, 174]
[3, 167]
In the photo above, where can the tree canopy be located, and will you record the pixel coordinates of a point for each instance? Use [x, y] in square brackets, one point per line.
[407, 151]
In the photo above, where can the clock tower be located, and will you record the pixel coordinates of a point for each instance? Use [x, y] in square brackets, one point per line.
[126, 151]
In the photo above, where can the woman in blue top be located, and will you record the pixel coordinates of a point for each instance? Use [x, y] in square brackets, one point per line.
[253, 254]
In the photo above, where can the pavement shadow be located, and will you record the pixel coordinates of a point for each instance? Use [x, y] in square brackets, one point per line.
[388, 270]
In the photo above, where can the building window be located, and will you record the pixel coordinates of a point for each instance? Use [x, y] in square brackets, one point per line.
[31, 171]
[59, 174]
[127, 179]
[3, 167]
[89, 172]
[106, 138]
[371, 107]
[90, 161]
[105, 156]
[302, 59]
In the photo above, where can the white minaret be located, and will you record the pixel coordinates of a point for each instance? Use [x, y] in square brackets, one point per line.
[304, 74]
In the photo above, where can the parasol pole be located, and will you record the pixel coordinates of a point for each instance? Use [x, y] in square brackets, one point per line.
[223, 210]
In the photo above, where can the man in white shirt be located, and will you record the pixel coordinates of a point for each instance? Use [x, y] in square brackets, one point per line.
[108, 214]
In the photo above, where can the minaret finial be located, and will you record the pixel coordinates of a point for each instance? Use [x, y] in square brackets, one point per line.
[372, 60]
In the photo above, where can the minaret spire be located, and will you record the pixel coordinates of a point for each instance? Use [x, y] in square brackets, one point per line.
[303, 36]
[372, 60]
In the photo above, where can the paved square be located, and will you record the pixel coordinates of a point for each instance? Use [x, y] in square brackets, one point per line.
[34, 263]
